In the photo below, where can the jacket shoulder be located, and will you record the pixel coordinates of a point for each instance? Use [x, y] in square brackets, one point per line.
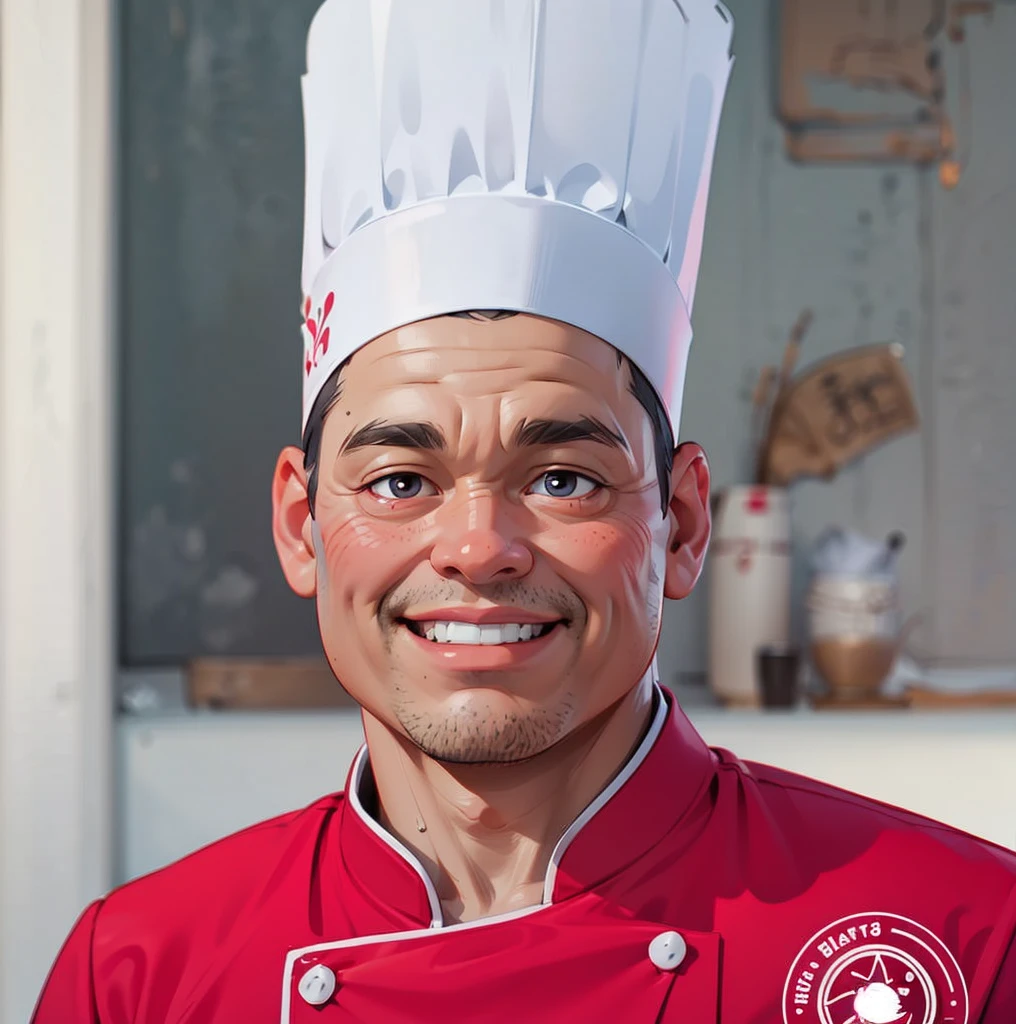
[210, 888]
[829, 856]
[829, 814]
[158, 933]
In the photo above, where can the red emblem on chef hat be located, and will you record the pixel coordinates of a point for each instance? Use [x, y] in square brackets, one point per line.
[875, 969]
[316, 331]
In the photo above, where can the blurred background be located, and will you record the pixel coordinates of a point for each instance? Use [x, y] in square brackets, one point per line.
[851, 380]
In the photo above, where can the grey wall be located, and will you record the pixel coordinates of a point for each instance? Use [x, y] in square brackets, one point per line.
[880, 254]
[212, 194]
[971, 350]
[212, 211]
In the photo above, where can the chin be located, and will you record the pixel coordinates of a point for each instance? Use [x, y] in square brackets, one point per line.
[484, 725]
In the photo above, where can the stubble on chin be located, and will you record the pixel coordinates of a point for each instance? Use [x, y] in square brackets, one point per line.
[481, 735]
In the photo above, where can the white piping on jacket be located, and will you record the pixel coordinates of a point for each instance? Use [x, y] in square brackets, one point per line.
[634, 763]
[437, 917]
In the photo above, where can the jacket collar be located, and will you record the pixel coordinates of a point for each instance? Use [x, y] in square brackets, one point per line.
[656, 788]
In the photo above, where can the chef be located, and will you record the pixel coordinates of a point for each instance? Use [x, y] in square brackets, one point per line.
[504, 213]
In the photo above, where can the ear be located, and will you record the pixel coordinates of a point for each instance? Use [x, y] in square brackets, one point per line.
[690, 521]
[292, 522]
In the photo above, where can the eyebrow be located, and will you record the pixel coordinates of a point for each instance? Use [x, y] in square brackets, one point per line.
[528, 434]
[395, 435]
[585, 428]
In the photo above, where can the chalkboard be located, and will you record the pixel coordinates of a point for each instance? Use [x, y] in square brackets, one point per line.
[211, 192]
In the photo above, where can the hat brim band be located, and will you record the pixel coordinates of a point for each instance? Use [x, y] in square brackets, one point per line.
[515, 253]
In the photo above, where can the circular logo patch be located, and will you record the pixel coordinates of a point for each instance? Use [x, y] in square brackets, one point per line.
[875, 969]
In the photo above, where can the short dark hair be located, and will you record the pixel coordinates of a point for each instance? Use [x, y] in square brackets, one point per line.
[663, 435]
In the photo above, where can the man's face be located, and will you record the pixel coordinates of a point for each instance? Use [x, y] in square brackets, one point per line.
[488, 542]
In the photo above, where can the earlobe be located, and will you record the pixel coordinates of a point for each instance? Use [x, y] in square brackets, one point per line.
[690, 521]
[291, 523]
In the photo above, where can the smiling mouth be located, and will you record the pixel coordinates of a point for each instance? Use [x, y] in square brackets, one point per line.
[487, 634]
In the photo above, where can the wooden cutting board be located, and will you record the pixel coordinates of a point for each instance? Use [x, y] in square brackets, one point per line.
[264, 684]
[920, 697]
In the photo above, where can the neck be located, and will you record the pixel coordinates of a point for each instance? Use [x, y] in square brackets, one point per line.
[485, 833]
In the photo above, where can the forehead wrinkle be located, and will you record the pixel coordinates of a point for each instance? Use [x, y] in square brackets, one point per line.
[411, 345]
[580, 398]
[556, 375]
[583, 397]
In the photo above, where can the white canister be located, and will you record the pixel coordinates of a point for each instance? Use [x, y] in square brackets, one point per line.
[749, 601]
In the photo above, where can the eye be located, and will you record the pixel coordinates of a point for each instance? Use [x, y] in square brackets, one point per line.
[564, 483]
[400, 485]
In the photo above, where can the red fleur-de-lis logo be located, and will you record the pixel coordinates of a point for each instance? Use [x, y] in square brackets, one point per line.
[318, 329]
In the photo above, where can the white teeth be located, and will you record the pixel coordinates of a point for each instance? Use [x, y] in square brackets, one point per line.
[463, 633]
[471, 633]
[490, 634]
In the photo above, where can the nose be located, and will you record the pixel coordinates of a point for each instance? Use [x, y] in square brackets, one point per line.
[477, 544]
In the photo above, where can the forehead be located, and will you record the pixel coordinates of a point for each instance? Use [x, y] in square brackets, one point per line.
[522, 356]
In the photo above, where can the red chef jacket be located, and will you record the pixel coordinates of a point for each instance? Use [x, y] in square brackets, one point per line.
[696, 889]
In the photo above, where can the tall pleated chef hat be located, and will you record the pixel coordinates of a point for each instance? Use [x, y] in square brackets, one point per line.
[544, 156]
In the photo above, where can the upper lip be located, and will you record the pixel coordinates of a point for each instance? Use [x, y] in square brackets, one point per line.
[480, 616]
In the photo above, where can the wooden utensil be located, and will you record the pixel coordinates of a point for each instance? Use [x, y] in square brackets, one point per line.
[793, 350]
[837, 411]
[764, 409]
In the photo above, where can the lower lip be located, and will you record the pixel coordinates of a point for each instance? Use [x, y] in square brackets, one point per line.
[483, 657]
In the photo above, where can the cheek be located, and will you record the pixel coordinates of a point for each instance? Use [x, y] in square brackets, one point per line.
[606, 556]
[362, 554]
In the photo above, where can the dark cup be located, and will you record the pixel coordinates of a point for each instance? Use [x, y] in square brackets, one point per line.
[778, 669]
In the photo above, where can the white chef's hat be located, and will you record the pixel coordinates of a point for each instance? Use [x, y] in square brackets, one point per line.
[544, 156]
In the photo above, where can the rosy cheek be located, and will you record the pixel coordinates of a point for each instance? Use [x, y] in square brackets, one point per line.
[603, 550]
[361, 548]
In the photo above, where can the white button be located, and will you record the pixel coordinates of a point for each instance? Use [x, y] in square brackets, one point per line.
[318, 985]
[667, 951]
